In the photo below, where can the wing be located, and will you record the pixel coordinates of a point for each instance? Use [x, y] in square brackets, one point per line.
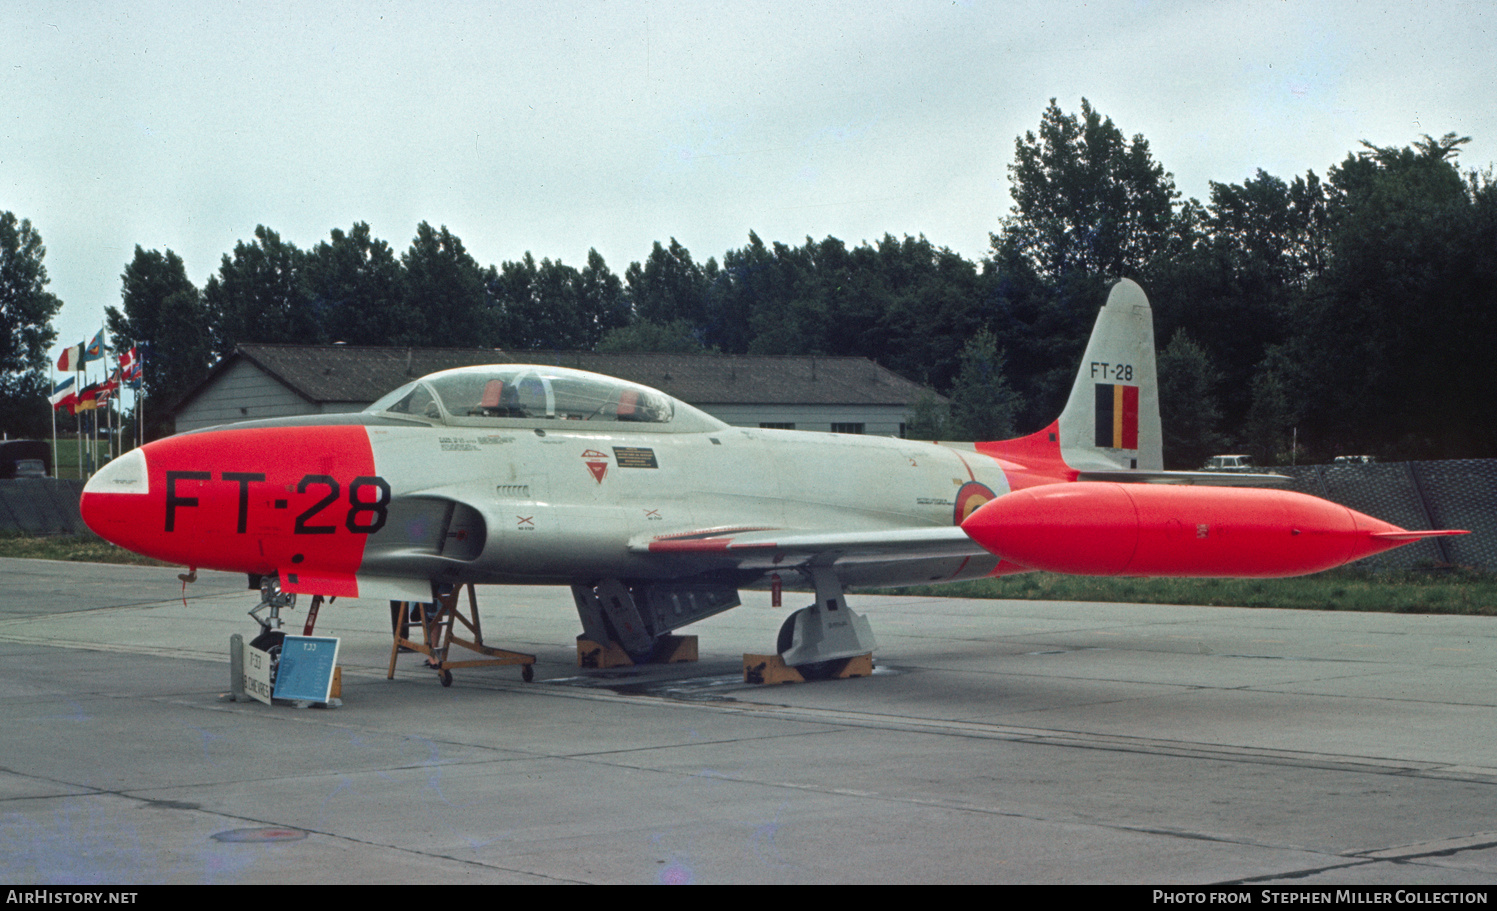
[779, 549]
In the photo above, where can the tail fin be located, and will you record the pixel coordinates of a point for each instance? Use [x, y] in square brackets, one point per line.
[1110, 425]
[1109, 430]
[1111, 420]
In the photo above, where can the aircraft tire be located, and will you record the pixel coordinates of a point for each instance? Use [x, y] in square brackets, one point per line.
[816, 670]
[647, 656]
[821, 670]
[271, 643]
[787, 635]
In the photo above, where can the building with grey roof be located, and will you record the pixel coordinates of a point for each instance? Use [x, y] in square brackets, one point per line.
[798, 392]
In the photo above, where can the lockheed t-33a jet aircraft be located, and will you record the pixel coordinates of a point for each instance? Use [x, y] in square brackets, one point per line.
[657, 514]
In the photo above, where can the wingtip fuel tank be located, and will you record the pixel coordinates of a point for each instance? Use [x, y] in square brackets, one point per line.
[1109, 529]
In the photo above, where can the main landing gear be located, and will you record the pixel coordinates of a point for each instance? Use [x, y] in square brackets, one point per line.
[826, 640]
[624, 624]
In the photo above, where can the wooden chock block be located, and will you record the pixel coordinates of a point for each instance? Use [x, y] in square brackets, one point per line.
[337, 689]
[592, 655]
[769, 669]
[857, 666]
[675, 650]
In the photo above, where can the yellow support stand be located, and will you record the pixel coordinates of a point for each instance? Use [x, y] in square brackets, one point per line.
[438, 622]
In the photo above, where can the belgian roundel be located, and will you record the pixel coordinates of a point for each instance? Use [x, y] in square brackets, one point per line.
[968, 498]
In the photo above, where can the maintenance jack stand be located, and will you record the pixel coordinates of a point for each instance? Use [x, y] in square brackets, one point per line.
[438, 621]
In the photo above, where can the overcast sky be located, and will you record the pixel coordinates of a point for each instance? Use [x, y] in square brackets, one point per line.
[558, 127]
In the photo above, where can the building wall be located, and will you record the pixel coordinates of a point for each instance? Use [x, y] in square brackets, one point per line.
[877, 420]
[246, 393]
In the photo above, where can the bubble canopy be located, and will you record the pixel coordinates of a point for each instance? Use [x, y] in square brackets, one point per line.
[530, 395]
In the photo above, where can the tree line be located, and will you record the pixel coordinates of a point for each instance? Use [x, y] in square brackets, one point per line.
[1350, 314]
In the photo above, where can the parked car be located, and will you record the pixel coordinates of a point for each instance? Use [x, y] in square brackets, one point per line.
[25, 459]
[1229, 463]
[30, 468]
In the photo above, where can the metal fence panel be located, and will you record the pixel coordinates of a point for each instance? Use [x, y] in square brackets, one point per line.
[1458, 493]
[41, 506]
[1462, 493]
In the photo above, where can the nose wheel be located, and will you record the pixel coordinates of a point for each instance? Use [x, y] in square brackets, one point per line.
[272, 637]
[271, 642]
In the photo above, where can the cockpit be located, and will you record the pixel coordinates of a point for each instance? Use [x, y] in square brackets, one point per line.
[539, 396]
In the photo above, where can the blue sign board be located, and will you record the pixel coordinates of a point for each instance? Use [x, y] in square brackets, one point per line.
[306, 669]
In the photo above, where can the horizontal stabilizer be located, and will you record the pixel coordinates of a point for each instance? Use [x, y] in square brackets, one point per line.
[1199, 478]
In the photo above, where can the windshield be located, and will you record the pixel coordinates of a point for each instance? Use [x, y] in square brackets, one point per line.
[413, 399]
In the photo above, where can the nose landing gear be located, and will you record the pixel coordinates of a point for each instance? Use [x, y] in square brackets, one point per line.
[271, 637]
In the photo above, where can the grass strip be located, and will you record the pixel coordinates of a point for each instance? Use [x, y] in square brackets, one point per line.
[1431, 590]
[76, 548]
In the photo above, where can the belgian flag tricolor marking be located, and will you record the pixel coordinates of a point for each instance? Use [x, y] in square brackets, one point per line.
[1117, 416]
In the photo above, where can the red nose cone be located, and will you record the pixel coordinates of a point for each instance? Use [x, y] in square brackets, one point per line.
[114, 500]
[1103, 529]
[254, 500]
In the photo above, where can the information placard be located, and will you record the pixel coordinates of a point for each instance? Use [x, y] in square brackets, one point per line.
[256, 672]
[306, 671]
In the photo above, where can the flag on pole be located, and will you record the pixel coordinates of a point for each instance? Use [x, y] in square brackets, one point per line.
[106, 389]
[71, 360]
[64, 395]
[130, 367]
[88, 398]
[95, 348]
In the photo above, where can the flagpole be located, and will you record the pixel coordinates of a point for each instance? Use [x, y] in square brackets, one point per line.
[93, 431]
[53, 406]
[98, 450]
[78, 413]
[140, 394]
[108, 403]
